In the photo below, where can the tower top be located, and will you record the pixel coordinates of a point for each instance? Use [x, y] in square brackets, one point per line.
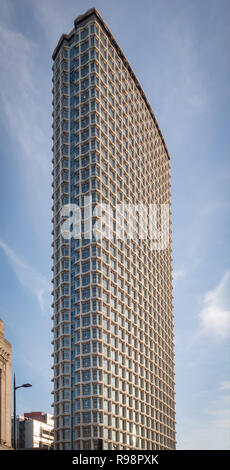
[67, 39]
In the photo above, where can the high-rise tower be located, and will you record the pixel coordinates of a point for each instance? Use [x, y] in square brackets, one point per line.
[112, 308]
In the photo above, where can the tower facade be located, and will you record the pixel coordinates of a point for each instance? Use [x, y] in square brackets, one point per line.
[113, 356]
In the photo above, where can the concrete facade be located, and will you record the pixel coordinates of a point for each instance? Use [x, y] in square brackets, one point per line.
[5, 390]
[35, 433]
[113, 356]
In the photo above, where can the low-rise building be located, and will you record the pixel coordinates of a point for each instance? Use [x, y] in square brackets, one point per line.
[35, 431]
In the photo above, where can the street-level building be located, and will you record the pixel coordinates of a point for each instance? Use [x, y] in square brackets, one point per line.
[5, 390]
[34, 431]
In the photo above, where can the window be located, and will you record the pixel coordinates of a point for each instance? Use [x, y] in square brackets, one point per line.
[85, 253]
[86, 267]
[66, 434]
[85, 280]
[86, 376]
[86, 403]
[85, 135]
[86, 361]
[85, 294]
[85, 309]
[85, 335]
[85, 187]
[84, 122]
[87, 431]
[84, 46]
[86, 417]
[86, 320]
[86, 389]
[85, 58]
[66, 394]
[66, 421]
[84, 33]
[84, 97]
[86, 348]
[84, 71]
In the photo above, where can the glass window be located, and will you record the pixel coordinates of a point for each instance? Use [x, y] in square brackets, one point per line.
[85, 294]
[84, 46]
[85, 334]
[86, 320]
[85, 309]
[86, 267]
[84, 33]
[86, 389]
[86, 403]
[85, 376]
[85, 280]
[86, 348]
[86, 417]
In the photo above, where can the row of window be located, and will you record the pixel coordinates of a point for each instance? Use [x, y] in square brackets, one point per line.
[137, 318]
[160, 378]
[134, 120]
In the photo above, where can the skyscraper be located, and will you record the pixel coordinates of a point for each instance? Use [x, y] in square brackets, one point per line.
[112, 264]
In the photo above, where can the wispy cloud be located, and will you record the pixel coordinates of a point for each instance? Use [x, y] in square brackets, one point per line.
[214, 315]
[225, 385]
[56, 18]
[25, 98]
[211, 430]
[19, 95]
[178, 273]
[29, 278]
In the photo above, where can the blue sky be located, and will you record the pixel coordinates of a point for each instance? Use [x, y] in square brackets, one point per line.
[179, 50]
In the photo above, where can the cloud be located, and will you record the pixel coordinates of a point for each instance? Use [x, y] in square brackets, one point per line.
[214, 315]
[25, 99]
[211, 430]
[29, 278]
[54, 20]
[178, 273]
[225, 386]
[19, 95]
